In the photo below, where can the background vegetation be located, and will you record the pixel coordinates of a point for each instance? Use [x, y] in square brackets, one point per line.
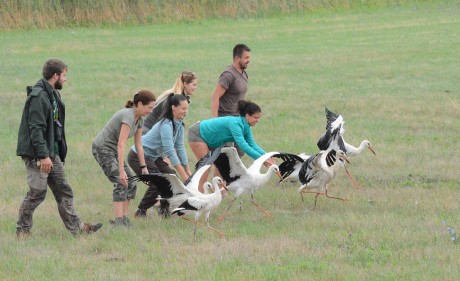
[392, 71]
[60, 13]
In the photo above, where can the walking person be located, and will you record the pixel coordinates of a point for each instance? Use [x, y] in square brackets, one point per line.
[185, 84]
[42, 146]
[109, 151]
[232, 85]
[210, 134]
[165, 139]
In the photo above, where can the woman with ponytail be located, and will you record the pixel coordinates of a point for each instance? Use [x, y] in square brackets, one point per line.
[209, 134]
[185, 84]
[165, 139]
[109, 150]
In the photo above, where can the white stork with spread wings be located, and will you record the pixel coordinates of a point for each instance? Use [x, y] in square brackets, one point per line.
[333, 139]
[240, 179]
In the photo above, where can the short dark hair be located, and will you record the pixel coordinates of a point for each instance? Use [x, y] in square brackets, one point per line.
[248, 107]
[53, 66]
[239, 49]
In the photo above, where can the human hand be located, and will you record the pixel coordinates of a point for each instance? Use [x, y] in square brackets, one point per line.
[269, 162]
[46, 165]
[144, 171]
[123, 178]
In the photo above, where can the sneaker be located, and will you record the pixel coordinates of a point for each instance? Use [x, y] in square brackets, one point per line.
[90, 228]
[120, 222]
[164, 212]
[140, 213]
[126, 221]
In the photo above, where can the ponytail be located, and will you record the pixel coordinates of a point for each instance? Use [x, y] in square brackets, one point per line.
[248, 107]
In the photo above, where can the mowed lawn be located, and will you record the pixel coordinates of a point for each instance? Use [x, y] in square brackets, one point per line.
[392, 72]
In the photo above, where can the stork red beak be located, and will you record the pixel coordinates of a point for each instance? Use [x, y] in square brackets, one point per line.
[372, 149]
[279, 174]
[223, 185]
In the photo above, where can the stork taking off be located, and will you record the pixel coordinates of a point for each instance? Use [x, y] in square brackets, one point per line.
[240, 179]
[333, 139]
[318, 171]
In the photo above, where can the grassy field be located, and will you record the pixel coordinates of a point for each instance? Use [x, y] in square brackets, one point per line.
[392, 72]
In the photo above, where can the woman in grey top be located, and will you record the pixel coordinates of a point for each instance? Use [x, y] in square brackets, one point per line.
[109, 150]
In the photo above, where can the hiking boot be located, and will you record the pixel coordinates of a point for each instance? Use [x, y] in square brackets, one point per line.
[90, 228]
[140, 213]
[23, 234]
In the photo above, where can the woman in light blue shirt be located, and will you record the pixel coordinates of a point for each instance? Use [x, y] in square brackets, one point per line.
[165, 139]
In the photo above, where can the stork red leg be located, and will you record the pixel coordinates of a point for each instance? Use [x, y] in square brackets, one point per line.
[260, 208]
[330, 197]
[352, 179]
[222, 217]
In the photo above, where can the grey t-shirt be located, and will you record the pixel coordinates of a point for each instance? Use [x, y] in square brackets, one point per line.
[236, 84]
[108, 136]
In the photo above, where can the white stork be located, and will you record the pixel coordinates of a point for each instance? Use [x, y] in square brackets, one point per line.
[240, 179]
[333, 139]
[318, 171]
[202, 204]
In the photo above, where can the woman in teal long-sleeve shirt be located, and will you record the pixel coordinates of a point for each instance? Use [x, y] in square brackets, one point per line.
[209, 134]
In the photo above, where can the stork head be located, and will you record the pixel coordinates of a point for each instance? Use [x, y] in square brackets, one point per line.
[275, 169]
[368, 145]
[342, 155]
[217, 181]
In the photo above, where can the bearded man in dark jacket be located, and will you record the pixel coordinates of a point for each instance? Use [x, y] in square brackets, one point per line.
[42, 146]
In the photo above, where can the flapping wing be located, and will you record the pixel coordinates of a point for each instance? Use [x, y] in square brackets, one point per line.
[167, 184]
[229, 164]
[288, 166]
[255, 167]
[309, 169]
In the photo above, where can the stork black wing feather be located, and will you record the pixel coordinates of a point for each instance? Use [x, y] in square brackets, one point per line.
[223, 165]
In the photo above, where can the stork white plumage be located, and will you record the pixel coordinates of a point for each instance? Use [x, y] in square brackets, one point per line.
[202, 204]
[318, 171]
[290, 168]
[240, 179]
[333, 139]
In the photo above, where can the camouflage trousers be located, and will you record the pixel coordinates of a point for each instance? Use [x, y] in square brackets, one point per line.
[38, 182]
[108, 160]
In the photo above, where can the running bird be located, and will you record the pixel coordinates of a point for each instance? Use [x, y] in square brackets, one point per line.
[318, 171]
[240, 179]
[333, 139]
[202, 204]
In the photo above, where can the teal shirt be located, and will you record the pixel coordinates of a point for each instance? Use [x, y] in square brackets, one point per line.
[218, 131]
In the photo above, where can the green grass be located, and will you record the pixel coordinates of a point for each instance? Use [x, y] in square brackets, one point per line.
[392, 72]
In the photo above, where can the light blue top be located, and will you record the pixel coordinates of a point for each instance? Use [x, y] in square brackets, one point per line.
[218, 131]
[161, 140]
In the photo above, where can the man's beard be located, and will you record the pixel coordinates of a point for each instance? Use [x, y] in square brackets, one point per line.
[58, 85]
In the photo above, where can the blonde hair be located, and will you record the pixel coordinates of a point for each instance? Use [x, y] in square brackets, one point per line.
[178, 87]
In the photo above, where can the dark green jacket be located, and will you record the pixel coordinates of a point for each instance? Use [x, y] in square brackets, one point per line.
[37, 133]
